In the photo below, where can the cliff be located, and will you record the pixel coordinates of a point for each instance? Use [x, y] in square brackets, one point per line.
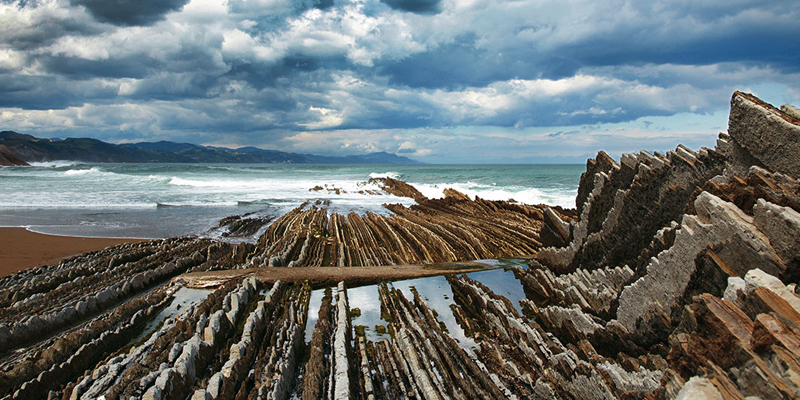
[710, 238]
[8, 158]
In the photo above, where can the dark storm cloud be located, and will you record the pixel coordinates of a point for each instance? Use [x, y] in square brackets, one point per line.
[49, 92]
[130, 12]
[415, 6]
[43, 27]
[81, 68]
[462, 63]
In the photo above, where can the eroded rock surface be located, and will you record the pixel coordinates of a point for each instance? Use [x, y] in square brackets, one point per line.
[682, 262]
[454, 228]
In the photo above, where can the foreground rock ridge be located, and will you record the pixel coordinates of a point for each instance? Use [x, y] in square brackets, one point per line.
[675, 277]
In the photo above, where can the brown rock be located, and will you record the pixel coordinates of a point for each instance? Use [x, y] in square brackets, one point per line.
[8, 158]
[398, 188]
[455, 194]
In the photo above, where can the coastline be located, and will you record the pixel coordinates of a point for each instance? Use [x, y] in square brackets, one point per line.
[21, 249]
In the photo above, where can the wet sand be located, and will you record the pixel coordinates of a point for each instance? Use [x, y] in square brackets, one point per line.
[21, 249]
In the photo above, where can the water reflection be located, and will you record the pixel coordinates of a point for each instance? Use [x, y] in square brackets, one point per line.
[314, 304]
[438, 295]
[502, 282]
[183, 298]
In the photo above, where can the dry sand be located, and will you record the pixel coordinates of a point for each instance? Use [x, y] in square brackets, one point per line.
[21, 249]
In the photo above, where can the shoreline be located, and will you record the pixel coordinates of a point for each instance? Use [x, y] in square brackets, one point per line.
[21, 249]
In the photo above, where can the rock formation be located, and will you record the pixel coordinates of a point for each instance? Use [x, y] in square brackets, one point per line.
[8, 158]
[675, 277]
[454, 228]
[701, 246]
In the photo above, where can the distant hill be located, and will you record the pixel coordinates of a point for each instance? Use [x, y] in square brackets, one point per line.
[33, 149]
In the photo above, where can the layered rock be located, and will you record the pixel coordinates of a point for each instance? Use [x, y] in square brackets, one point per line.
[454, 228]
[8, 158]
[653, 269]
[765, 134]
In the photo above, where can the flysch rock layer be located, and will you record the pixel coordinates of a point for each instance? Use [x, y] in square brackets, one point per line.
[675, 277]
[766, 133]
[713, 258]
[454, 228]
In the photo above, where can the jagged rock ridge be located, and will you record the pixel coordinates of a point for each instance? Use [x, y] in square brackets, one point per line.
[454, 228]
[706, 269]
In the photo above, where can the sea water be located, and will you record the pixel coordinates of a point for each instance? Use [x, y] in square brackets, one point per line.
[163, 200]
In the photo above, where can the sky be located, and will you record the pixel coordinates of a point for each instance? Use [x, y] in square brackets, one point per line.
[439, 81]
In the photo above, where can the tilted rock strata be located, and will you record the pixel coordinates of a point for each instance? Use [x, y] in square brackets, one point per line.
[8, 158]
[436, 230]
[706, 220]
[669, 273]
[531, 363]
[767, 134]
[398, 188]
[623, 205]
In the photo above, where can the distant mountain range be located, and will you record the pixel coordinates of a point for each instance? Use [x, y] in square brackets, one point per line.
[33, 149]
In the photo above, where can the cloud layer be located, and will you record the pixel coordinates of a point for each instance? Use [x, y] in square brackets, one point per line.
[438, 80]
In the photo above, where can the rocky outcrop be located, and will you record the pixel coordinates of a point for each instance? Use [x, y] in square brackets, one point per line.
[680, 261]
[765, 133]
[527, 361]
[455, 228]
[8, 158]
[398, 188]
[238, 226]
[622, 207]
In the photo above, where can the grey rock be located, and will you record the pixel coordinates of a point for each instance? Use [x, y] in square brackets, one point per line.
[758, 278]
[176, 350]
[767, 134]
[782, 227]
[735, 290]
[699, 388]
[668, 274]
[214, 326]
[791, 110]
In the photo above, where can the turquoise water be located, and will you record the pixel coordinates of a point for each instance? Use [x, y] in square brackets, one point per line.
[161, 200]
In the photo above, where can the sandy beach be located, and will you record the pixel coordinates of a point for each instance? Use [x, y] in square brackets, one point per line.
[21, 249]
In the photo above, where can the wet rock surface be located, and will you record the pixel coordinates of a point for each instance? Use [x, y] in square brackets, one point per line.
[454, 228]
[675, 277]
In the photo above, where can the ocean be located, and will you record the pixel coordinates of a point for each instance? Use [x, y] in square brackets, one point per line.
[163, 200]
